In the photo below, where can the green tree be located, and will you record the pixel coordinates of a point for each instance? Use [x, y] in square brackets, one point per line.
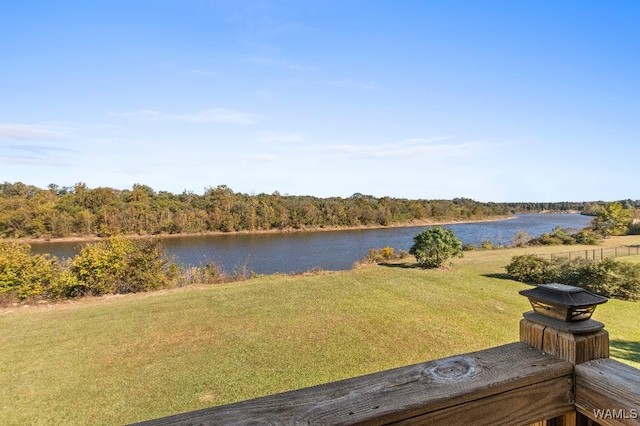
[434, 246]
[613, 219]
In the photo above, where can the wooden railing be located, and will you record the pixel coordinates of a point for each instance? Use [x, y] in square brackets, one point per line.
[550, 377]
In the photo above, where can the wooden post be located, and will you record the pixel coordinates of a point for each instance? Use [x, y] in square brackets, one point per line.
[571, 347]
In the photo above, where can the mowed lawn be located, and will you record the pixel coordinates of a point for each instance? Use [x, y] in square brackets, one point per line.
[124, 359]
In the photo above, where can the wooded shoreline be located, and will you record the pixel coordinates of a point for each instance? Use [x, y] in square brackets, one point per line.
[31, 214]
[411, 224]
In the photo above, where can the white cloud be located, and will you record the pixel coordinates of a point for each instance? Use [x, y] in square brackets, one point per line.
[34, 154]
[28, 132]
[34, 144]
[434, 147]
[212, 115]
[31, 161]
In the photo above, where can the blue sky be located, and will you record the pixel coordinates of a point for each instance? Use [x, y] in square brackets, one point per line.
[490, 100]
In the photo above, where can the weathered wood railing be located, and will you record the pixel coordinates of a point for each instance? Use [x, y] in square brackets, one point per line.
[550, 377]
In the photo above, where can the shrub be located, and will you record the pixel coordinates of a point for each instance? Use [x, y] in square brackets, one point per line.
[387, 252]
[403, 254]
[634, 229]
[118, 265]
[557, 237]
[380, 255]
[26, 276]
[207, 273]
[587, 237]
[529, 268]
[434, 246]
[487, 245]
[627, 279]
[560, 236]
[520, 238]
[607, 277]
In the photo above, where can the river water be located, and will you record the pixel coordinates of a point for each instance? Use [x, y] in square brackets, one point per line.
[330, 250]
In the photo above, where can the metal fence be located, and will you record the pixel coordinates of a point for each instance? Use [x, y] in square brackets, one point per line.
[595, 254]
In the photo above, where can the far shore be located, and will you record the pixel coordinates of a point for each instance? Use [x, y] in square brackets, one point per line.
[410, 224]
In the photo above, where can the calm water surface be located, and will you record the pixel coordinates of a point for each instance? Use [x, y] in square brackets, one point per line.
[334, 250]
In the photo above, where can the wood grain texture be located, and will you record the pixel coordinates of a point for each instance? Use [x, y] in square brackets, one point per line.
[516, 407]
[606, 384]
[573, 348]
[567, 419]
[513, 378]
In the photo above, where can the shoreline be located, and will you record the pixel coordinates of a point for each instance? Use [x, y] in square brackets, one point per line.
[410, 224]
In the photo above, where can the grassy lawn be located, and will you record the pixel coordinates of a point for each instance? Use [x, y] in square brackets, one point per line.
[130, 358]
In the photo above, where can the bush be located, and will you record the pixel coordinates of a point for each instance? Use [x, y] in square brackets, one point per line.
[207, 273]
[560, 236]
[118, 265]
[557, 237]
[380, 255]
[113, 266]
[403, 254]
[529, 268]
[434, 246]
[487, 245]
[587, 237]
[387, 252]
[25, 276]
[520, 238]
[634, 229]
[607, 277]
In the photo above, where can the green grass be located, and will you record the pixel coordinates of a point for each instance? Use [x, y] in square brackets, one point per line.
[129, 358]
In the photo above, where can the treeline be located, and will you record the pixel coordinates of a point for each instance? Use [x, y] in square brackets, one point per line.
[590, 208]
[54, 212]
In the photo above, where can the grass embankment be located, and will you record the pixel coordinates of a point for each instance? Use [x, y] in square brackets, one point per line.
[129, 358]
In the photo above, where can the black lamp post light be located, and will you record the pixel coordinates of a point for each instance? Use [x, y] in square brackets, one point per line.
[563, 307]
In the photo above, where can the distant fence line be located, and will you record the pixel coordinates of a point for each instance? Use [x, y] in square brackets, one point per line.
[595, 254]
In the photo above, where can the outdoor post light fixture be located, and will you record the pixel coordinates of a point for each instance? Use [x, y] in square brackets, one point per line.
[563, 307]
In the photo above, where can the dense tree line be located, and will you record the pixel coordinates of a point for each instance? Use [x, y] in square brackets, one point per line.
[28, 211]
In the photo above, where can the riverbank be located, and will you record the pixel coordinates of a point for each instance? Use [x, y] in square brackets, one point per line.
[409, 224]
